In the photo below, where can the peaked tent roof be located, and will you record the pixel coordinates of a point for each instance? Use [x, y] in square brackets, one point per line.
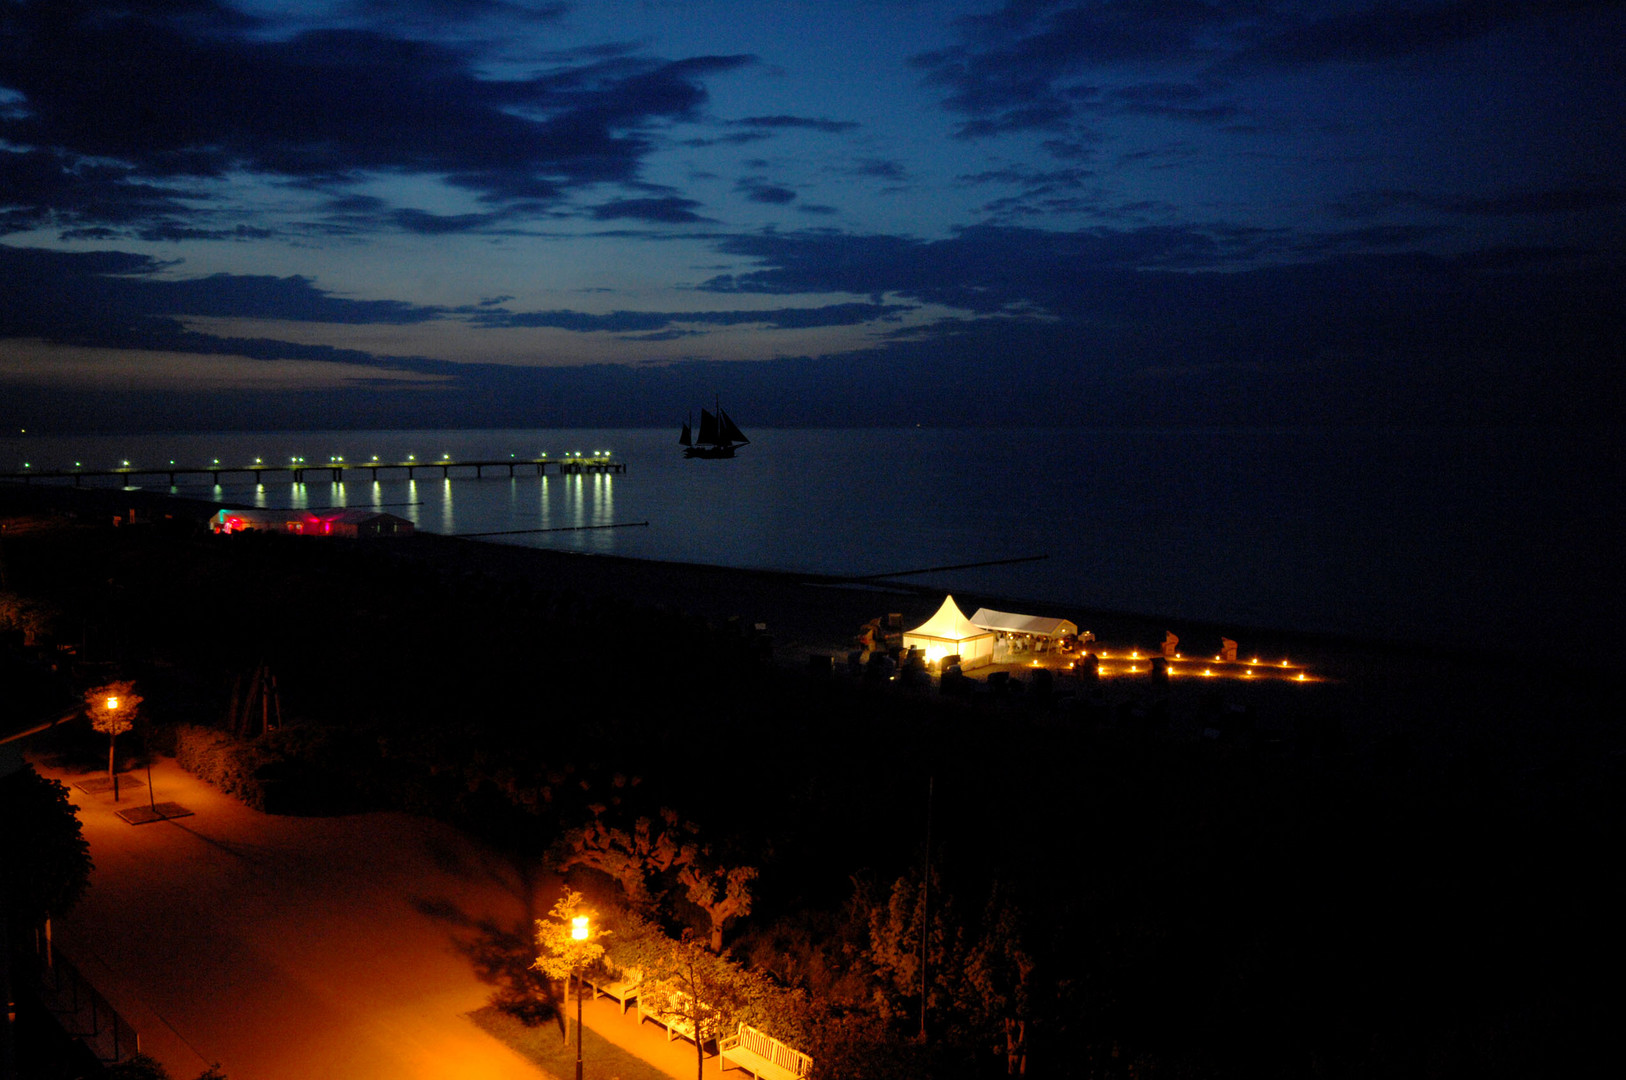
[1022, 624]
[949, 624]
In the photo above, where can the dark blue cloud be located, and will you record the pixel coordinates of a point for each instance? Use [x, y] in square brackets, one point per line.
[47, 187]
[1100, 326]
[759, 190]
[665, 210]
[663, 321]
[983, 269]
[426, 224]
[1060, 67]
[164, 91]
[806, 123]
[1384, 31]
[116, 299]
[436, 15]
[1028, 65]
[1508, 203]
[880, 168]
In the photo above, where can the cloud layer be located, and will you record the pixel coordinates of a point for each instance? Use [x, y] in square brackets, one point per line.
[1062, 210]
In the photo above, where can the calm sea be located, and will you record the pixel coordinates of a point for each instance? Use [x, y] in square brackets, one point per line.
[1466, 537]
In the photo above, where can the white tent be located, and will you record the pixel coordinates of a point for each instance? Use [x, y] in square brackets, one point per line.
[950, 632]
[1003, 622]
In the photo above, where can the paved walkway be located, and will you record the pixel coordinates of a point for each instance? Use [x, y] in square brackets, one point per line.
[280, 947]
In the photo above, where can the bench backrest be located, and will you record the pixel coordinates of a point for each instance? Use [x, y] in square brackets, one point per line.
[759, 1042]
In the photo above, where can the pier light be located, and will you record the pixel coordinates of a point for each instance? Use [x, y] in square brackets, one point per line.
[1208, 672]
[1301, 676]
[256, 461]
[445, 457]
[411, 457]
[172, 461]
[1134, 656]
[127, 464]
[1284, 663]
[76, 465]
[375, 457]
[217, 461]
[341, 459]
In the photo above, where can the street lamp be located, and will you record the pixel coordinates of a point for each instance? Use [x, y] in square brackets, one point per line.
[578, 932]
[110, 708]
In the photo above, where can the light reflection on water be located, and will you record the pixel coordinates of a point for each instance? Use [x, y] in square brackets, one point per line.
[1441, 535]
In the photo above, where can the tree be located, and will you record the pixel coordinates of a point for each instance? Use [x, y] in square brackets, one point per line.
[42, 847]
[112, 710]
[722, 892]
[701, 989]
[642, 861]
[998, 977]
[628, 857]
[895, 927]
[47, 866]
[562, 954]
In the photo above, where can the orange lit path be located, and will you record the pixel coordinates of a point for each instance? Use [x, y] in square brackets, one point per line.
[337, 468]
[283, 947]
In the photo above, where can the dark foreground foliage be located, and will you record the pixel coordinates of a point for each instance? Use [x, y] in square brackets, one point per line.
[1382, 878]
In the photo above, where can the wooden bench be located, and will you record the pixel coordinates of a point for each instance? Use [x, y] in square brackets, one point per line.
[622, 986]
[762, 1055]
[660, 1008]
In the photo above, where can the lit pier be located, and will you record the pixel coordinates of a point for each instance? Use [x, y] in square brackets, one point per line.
[337, 468]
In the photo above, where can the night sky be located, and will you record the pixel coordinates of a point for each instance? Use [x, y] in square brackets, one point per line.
[371, 213]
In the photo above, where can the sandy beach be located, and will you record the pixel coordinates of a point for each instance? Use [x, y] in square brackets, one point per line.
[1371, 684]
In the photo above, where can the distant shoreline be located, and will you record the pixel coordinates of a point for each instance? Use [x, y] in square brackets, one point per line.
[821, 612]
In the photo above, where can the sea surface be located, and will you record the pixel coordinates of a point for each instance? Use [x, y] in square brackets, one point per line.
[1498, 539]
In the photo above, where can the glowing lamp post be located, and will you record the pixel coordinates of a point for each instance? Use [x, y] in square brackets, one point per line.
[111, 708]
[578, 932]
[567, 950]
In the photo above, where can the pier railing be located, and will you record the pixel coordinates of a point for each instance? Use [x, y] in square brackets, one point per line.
[564, 465]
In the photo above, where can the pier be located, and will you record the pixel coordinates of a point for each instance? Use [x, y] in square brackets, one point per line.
[563, 465]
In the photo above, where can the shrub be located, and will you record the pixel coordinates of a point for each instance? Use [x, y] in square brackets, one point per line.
[223, 761]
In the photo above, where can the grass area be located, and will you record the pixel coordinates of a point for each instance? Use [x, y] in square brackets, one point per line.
[541, 1045]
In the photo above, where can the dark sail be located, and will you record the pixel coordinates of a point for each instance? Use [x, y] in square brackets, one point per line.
[717, 437]
[729, 430]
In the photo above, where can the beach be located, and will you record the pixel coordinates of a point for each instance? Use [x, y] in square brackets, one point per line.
[1373, 684]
